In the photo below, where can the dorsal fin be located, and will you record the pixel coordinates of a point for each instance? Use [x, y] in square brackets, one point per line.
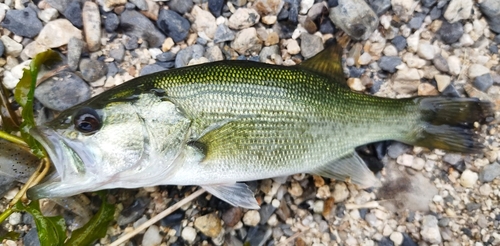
[327, 62]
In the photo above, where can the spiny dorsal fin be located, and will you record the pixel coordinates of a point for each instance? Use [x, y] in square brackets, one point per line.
[327, 62]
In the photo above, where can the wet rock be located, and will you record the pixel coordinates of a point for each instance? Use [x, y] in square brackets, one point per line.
[223, 34]
[468, 179]
[62, 91]
[430, 230]
[74, 13]
[246, 41]
[92, 70]
[215, 7]
[57, 33]
[458, 10]
[209, 224]
[23, 22]
[151, 68]
[491, 10]
[12, 48]
[112, 69]
[166, 56]
[75, 48]
[355, 17]
[428, 3]
[489, 172]
[173, 25]
[380, 6]
[483, 82]
[435, 13]
[243, 18]
[310, 45]
[111, 22]
[137, 25]
[91, 25]
[152, 236]
[450, 91]
[389, 63]
[399, 42]
[450, 33]
[232, 216]
[181, 6]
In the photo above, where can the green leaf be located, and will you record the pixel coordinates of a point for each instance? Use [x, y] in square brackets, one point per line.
[24, 94]
[10, 121]
[51, 230]
[97, 226]
[11, 235]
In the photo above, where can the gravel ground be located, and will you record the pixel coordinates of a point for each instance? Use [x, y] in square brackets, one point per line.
[399, 48]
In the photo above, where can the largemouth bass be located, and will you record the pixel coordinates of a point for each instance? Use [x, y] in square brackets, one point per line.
[218, 124]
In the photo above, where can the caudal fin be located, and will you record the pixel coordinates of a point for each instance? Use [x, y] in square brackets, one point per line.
[448, 123]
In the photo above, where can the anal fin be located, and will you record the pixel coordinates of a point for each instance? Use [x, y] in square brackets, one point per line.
[349, 168]
[236, 194]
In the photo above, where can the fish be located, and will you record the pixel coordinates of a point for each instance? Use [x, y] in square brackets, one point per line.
[219, 124]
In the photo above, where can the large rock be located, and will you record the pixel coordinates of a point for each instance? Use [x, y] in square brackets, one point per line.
[137, 25]
[23, 22]
[355, 17]
[58, 33]
[173, 25]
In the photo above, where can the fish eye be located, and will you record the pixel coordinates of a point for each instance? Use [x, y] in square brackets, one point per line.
[87, 121]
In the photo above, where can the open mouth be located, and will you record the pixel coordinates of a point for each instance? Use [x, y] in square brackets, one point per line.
[54, 146]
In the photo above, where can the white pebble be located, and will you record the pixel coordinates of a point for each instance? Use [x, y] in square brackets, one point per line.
[251, 218]
[485, 190]
[318, 206]
[405, 160]
[152, 236]
[466, 40]
[468, 178]
[340, 193]
[442, 81]
[454, 64]
[397, 238]
[365, 58]
[426, 51]
[390, 50]
[418, 163]
[476, 70]
[188, 234]
[292, 46]
[15, 218]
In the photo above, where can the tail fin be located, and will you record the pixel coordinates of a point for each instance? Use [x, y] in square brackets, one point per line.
[448, 123]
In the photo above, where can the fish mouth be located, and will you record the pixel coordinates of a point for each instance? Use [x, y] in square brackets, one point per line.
[70, 178]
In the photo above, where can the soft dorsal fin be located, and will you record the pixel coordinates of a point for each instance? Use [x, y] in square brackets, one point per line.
[327, 62]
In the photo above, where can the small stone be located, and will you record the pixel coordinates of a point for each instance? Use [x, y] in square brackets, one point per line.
[15, 218]
[173, 25]
[152, 236]
[117, 52]
[232, 216]
[390, 50]
[305, 5]
[74, 13]
[111, 22]
[24, 22]
[246, 41]
[450, 33]
[491, 10]
[428, 3]
[209, 224]
[269, 19]
[62, 91]
[58, 33]
[141, 4]
[92, 70]
[180, 6]
[417, 20]
[188, 234]
[399, 42]
[452, 158]
[405, 160]
[251, 218]
[476, 70]
[489, 172]
[137, 25]
[364, 59]
[269, 7]
[389, 63]
[442, 81]
[48, 14]
[485, 189]
[75, 48]
[380, 6]
[455, 65]
[430, 230]
[468, 178]
[243, 18]
[2, 49]
[356, 84]
[426, 51]
[223, 34]
[215, 7]
[151, 68]
[265, 212]
[12, 48]
[426, 89]
[292, 47]
[355, 17]
[458, 10]
[295, 189]
[92, 25]
[267, 52]
[214, 53]
[204, 21]
[340, 192]
[440, 63]
[310, 45]
[483, 82]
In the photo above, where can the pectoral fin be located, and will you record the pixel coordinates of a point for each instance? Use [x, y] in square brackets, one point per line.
[349, 168]
[236, 194]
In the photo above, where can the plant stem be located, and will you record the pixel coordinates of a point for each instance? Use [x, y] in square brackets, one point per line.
[12, 138]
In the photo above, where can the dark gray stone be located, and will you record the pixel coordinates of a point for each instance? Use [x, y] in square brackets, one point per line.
[416, 21]
[92, 70]
[483, 82]
[265, 212]
[135, 24]
[451, 32]
[435, 13]
[489, 172]
[181, 6]
[399, 42]
[118, 53]
[215, 7]
[131, 43]
[151, 68]
[326, 26]
[111, 22]
[2, 48]
[267, 52]
[62, 91]
[389, 63]
[385, 242]
[293, 11]
[23, 22]
[497, 39]
[133, 212]
[493, 49]
[450, 91]
[140, 4]
[355, 72]
[443, 222]
[452, 158]
[491, 10]
[184, 56]
[442, 3]
[428, 3]
[408, 241]
[173, 25]
[74, 14]
[310, 45]
[112, 69]
[440, 63]
[396, 149]
[166, 56]
[31, 238]
[75, 48]
[223, 34]
[129, 6]
[379, 6]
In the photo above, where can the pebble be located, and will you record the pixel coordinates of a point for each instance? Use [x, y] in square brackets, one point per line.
[430, 230]
[399, 42]
[142, 5]
[310, 45]
[251, 218]
[75, 48]
[152, 236]
[24, 22]
[380, 6]
[269, 7]
[355, 84]
[244, 18]
[292, 47]
[355, 17]
[489, 172]
[2, 49]
[232, 216]
[454, 64]
[491, 10]
[209, 224]
[246, 41]
[476, 70]
[214, 53]
[48, 14]
[405, 160]
[267, 52]
[91, 25]
[450, 33]
[390, 50]
[440, 63]
[215, 7]
[305, 5]
[111, 22]
[73, 13]
[458, 10]
[468, 178]
[340, 192]
[188, 234]
[151, 68]
[92, 70]
[265, 212]
[137, 25]
[58, 33]
[133, 212]
[173, 219]
[14, 74]
[426, 51]
[117, 52]
[15, 218]
[223, 34]
[12, 48]
[483, 82]
[389, 63]
[173, 25]
[417, 20]
[180, 6]
[442, 81]
[62, 91]
[364, 59]
[204, 22]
